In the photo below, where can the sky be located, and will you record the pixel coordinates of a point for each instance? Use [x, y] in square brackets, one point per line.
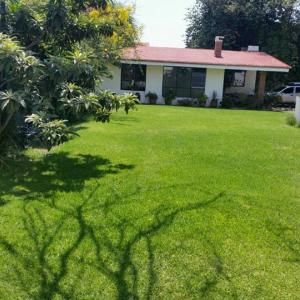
[163, 21]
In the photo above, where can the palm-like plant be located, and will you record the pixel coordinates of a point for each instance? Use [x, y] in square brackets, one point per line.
[49, 133]
[75, 103]
[10, 103]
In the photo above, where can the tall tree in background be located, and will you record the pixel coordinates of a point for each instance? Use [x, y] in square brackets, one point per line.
[274, 25]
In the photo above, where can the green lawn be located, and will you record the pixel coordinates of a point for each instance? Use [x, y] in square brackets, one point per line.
[166, 203]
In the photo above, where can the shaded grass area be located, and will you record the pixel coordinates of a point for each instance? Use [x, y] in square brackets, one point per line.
[167, 203]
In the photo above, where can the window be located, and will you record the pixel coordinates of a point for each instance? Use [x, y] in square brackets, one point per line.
[133, 77]
[288, 91]
[297, 90]
[184, 82]
[235, 78]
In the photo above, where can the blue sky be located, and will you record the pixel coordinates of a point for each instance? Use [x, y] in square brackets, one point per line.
[163, 20]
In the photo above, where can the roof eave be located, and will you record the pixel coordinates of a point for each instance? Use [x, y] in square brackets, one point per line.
[211, 66]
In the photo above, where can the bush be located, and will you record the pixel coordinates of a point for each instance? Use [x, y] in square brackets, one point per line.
[152, 97]
[251, 102]
[213, 103]
[291, 120]
[272, 100]
[240, 101]
[202, 100]
[169, 97]
[49, 133]
[227, 102]
[185, 102]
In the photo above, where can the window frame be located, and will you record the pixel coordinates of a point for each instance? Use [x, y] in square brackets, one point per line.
[288, 88]
[177, 86]
[134, 80]
[231, 83]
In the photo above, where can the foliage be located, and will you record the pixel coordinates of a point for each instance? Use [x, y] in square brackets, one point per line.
[272, 25]
[244, 101]
[10, 103]
[53, 54]
[185, 102]
[272, 100]
[227, 102]
[202, 100]
[18, 72]
[152, 97]
[169, 96]
[109, 101]
[75, 104]
[291, 120]
[49, 133]
[214, 101]
[52, 133]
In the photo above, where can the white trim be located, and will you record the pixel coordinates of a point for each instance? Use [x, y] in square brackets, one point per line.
[222, 67]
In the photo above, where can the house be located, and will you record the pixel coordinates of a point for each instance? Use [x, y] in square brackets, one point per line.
[187, 73]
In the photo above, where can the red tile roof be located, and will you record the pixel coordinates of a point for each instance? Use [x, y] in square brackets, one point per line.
[203, 57]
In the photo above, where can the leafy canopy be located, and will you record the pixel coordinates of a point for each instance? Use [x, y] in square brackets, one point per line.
[53, 55]
[271, 24]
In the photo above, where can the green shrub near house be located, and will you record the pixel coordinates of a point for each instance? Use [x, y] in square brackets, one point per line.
[249, 101]
[152, 97]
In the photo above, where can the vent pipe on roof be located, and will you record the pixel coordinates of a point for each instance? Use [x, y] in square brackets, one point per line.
[253, 48]
[219, 46]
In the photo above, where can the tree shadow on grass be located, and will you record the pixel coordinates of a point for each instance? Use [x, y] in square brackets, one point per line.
[57, 172]
[124, 120]
[288, 238]
[43, 261]
[113, 258]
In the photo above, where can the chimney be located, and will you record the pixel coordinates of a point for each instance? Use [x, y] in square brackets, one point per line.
[219, 46]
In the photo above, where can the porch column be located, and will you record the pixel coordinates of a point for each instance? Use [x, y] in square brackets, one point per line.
[261, 85]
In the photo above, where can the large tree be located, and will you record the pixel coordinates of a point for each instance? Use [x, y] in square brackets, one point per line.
[271, 24]
[53, 54]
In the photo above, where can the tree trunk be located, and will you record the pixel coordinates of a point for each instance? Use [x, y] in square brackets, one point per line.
[6, 122]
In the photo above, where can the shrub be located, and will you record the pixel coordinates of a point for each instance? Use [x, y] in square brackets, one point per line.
[185, 102]
[240, 101]
[202, 100]
[169, 97]
[291, 120]
[214, 100]
[272, 100]
[227, 102]
[152, 97]
[49, 133]
[251, 102]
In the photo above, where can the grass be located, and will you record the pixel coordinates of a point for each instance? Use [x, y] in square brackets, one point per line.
[167, 203]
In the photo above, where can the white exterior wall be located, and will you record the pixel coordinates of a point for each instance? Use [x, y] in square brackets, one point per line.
[214, 83]
[154, 81]
[248, 89]
[113, 84]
